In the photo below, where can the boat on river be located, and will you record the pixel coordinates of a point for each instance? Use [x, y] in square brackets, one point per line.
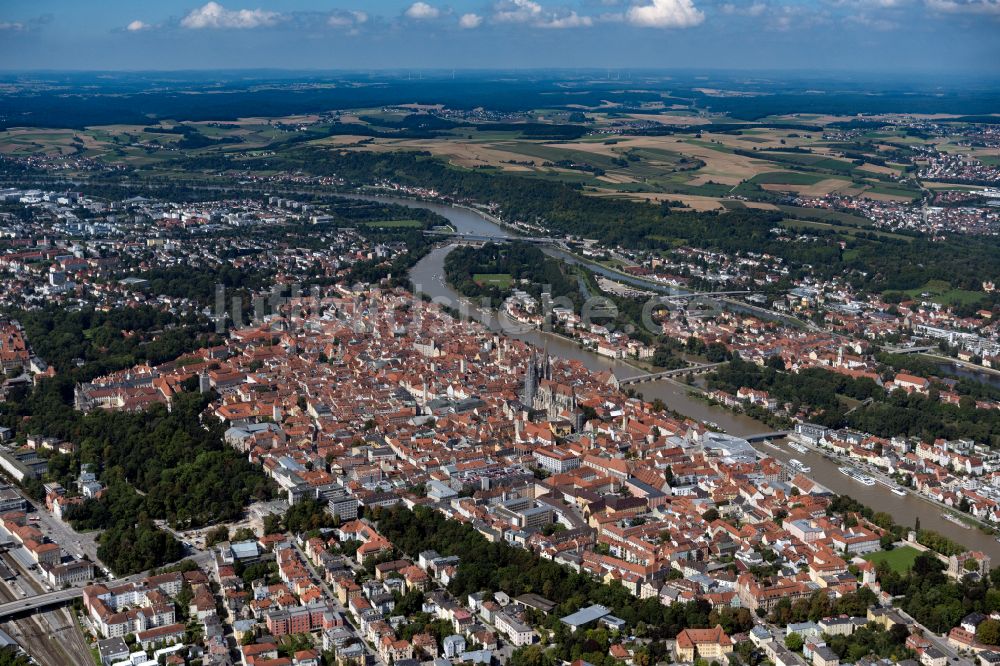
[798, 465]
[854, 474]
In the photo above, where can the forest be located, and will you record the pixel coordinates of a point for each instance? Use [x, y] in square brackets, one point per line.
[9, 657]
[187, 474]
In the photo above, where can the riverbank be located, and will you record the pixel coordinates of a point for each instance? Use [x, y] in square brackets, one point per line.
[881, 477]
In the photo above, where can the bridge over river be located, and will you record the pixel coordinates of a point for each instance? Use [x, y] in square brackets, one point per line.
[460, 237]
[653, 376]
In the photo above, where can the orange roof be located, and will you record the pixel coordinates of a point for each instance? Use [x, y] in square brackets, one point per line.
[689, 638]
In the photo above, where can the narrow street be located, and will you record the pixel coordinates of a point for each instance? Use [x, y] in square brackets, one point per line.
[336, 603]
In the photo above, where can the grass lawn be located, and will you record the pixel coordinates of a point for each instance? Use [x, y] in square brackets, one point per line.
[395, 224]
[831, 215]
[502, 280]
[843, 230]
[940, 291]
[900, 559]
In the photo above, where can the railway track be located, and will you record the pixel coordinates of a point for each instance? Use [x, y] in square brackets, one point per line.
[53, 637]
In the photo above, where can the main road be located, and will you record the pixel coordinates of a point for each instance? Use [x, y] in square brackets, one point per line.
[428, 278]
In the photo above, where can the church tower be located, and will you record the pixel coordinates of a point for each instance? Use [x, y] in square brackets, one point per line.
[530, 383]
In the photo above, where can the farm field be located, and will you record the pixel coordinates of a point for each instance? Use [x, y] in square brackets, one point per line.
[787, 178]
[687, 157]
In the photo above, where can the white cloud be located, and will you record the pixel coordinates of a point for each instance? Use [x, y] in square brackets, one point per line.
[11, 26]
[534, 14]
[342, 19]
[214, 15]
[517, 11]
[136, 26]
[421, 11]
[965, 6]
[570, 20]
[470, 21]
[666, 14]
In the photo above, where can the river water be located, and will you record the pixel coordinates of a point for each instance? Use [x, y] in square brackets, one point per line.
[428, 278]
[983, 376]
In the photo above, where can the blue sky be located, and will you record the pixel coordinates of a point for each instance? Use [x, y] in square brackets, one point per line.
[941, 36]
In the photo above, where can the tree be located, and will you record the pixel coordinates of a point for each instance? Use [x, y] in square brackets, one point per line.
[899, 633]
[217, 535]
[307, 515]
[988, 632]
[745, 650]
[793, 642]
[244, 534]
[272, 524]
[9, 657]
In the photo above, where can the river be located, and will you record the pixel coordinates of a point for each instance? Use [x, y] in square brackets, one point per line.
[428, 278]
[955, 369]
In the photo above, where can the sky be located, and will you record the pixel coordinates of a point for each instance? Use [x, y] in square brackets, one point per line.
[933, 36]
